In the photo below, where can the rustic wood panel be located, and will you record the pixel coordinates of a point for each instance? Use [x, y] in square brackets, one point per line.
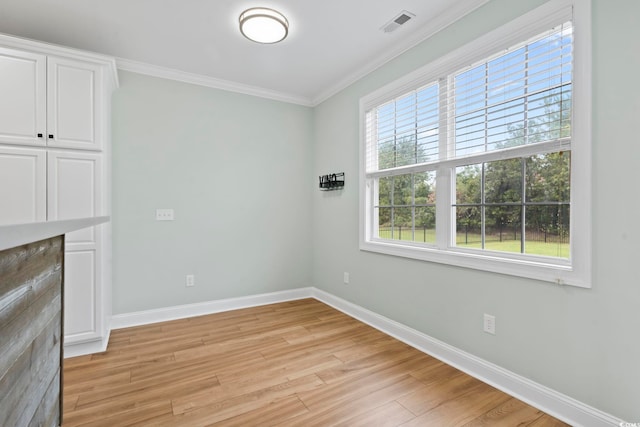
[30, 333]
[298, 363]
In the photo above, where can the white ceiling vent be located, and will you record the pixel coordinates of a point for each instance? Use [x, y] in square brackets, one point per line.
[396, 22]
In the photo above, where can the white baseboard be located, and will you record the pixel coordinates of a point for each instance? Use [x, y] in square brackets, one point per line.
[87, 347]
[200, 309]
[550, 401]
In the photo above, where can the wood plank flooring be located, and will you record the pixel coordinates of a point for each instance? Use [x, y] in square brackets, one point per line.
[299, 363]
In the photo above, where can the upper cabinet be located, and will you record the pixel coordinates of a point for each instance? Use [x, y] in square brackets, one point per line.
[51, 101]
[74, 99]
[23, 97]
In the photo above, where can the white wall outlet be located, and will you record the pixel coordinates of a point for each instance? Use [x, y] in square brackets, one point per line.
[489, 324]
[190, 280]
[164, 214]
[345, 278]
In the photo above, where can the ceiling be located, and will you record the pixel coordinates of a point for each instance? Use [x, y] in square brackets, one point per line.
[331, 43]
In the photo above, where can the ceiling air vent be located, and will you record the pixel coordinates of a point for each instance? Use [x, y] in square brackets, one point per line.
[396, 22]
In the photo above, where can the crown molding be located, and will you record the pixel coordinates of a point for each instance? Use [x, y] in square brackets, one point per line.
[46, 48]
[439, 23]
[207, 81]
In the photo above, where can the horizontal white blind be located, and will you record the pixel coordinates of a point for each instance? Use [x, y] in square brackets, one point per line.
[521, 96]
[403, 131]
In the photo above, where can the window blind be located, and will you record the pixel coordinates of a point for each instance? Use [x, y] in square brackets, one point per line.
[518, 97]
[521, 96]
[404, 131]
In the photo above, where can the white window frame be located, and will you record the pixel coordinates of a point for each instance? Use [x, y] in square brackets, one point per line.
[577, 270]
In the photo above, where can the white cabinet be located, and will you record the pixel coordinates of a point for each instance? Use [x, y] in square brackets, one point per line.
[23, 99]
[55, 165]
[74, 187]
[74, 183]
[74, 104]
[50, 101]
[23, 183]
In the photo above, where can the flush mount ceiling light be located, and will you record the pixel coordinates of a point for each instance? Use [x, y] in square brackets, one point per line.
[263, 25]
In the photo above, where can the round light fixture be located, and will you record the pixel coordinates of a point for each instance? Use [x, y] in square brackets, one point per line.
[263, 25]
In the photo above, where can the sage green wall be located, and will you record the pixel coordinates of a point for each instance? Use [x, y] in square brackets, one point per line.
[582, 342]
[231, 167]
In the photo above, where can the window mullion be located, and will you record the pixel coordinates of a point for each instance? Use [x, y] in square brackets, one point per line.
[446, 142]
[373, 228]
[523, 212]
[374, 194]
[486, 106]
[395, 136]
[392, 198]
[483, 207]
[415, 126]
[525, 130]
[415, 156]
[413, 207]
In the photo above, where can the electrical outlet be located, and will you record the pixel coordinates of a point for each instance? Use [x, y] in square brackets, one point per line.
[190, 280]
[489, 324]
[164, 214]
[345, 278]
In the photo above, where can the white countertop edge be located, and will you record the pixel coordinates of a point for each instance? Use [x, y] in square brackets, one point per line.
[21, 234]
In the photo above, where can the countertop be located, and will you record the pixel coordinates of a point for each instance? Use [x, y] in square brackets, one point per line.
[21, 234]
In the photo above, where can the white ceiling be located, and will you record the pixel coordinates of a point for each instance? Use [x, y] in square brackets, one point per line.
[331, 43]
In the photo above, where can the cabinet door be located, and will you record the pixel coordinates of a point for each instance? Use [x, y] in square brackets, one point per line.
[23, 183]
[74, 188]
[81, 296]
[22, 97]
[74, 102]
[74, 191]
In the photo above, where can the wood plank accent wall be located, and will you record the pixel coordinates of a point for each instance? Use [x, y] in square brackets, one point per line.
[30, 333]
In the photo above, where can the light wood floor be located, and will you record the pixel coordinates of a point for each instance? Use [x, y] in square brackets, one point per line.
[298, 363]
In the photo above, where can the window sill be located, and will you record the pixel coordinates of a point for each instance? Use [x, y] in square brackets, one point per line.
[538, 268]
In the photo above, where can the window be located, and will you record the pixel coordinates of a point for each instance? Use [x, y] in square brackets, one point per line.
[486, 165]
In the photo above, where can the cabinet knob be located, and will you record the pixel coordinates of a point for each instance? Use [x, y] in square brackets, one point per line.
[50, 136]
[39, 135]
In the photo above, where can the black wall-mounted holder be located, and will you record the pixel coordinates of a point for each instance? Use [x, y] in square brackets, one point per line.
[334, 181]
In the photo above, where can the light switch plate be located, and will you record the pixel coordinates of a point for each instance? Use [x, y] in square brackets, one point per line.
[489, 325]
[190, 280]
[164, 214]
